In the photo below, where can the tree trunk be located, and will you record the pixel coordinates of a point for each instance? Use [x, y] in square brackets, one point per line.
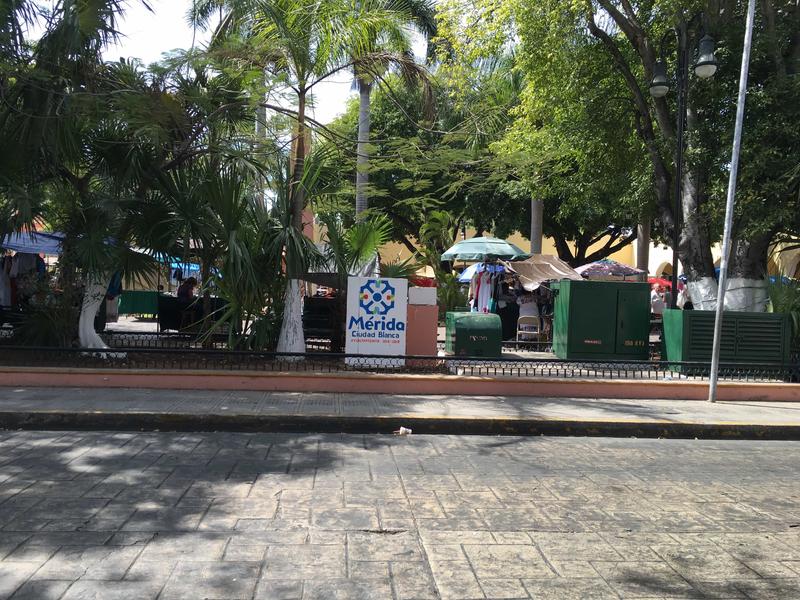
[297, 191]
[291, 338]
[261, 135]
[537, 212]
[643, 245]
[208, 320]
[564, 251]
[362, 150]
[747, 283]
[694, 248]
[93, 297]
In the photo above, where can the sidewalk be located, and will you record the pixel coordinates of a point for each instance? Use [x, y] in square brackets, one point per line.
[175, 410]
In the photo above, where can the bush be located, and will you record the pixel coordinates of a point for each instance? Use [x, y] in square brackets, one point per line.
[450, 293]
[785, 298]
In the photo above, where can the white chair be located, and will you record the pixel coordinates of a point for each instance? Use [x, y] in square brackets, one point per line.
[528, 329]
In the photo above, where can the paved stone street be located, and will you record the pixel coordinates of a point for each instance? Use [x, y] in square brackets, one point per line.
[163, 515]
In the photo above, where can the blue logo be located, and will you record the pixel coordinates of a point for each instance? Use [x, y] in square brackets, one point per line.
[376, 297]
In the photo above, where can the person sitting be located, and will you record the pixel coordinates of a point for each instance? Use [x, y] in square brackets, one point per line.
[190, 313]
[186, 290]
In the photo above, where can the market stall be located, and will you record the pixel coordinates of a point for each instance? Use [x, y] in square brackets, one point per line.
[22, 272]
[506, 285]
[535, 298]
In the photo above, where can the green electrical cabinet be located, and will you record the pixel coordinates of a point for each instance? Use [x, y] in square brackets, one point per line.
[473, 334]
[601, 320]
[138, 302]
[747, 337]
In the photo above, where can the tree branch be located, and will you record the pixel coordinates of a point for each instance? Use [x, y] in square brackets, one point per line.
[644, 119]
[609, 248]
[641, 44]
[409, 246]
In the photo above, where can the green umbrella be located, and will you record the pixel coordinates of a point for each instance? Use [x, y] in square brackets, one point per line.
[481, 248]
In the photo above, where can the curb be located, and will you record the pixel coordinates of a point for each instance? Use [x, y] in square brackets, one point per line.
[147, 421]
[383, 383]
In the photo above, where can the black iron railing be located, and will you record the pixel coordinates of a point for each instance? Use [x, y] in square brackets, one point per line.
[505, 366]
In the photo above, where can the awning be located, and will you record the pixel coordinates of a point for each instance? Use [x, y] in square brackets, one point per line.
[537, 269]
[34, 242]
[483, 248]
[611, 270]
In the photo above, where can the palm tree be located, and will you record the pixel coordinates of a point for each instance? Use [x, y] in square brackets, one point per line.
[211, 211]
[351, 248]
[57, 131]
[386, 45]
[298, 44]
[92, 140]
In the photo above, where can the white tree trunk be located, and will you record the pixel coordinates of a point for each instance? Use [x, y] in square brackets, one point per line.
[703, 293]
[742, 294]
[643, 246]
[291, 338]
[362, 150]
[94, 295]
[746, 294]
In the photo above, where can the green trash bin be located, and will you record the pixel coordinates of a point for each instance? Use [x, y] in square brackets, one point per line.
[601, 320]
[473, 334]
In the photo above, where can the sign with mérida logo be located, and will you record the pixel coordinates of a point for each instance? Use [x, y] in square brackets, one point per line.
[377, 312]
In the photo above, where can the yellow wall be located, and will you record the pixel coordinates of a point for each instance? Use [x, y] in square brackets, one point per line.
[627, 255]
[787, 262]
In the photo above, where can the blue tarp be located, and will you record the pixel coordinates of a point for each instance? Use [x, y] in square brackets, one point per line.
[185, 266]
[35, 242]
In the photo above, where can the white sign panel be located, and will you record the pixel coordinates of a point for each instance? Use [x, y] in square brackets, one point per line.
[377, 312]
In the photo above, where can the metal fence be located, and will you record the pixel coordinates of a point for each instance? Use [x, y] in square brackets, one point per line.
[171, 340]
[507, 366]
[184, 341]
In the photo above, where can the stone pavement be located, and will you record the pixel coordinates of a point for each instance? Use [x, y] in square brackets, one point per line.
[339, 517]
[199, 410]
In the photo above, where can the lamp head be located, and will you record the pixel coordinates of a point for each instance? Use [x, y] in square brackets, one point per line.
[706, 64]
[659, 85]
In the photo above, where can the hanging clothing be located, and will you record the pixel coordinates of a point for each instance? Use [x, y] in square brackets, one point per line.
[23, 263]
[483, 292]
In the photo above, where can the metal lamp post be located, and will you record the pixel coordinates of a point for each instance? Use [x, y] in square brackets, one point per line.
[705, 67]
[734, 170]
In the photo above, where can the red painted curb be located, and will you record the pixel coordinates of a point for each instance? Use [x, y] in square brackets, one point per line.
[395, 384]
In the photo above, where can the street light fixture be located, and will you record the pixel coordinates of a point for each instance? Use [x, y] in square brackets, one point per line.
[659, 86]
[706, 64]
[704, 68]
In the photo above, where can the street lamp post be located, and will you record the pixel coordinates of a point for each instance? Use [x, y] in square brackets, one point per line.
[705, 67]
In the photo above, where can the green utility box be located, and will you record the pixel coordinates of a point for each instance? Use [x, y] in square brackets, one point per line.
[138, 302]
[601, 320]
[747, 337]
[473, 334]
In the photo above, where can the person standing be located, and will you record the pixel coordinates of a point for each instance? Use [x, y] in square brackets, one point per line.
[656, 301]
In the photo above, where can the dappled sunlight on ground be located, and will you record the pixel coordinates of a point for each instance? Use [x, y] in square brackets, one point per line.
[170, 515]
